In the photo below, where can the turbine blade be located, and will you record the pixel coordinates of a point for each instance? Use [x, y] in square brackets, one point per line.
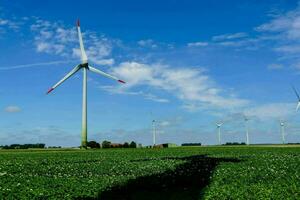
[298, 106]
[83, 54]
[296, 93]
[73, 71]
[104, 74]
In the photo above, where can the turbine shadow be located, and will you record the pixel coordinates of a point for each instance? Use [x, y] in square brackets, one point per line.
[187, 181]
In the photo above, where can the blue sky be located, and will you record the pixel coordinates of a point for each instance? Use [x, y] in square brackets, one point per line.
[187, 64]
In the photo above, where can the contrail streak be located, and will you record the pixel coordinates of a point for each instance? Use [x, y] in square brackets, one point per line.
[34, 65]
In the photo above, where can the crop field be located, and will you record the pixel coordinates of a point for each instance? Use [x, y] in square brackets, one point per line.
[175, 173]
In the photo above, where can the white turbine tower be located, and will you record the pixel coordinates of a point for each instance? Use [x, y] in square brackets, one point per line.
[84, 65]
[219, 131]
[298, 105]
[282, 130]
[154, 132]
[247, 130]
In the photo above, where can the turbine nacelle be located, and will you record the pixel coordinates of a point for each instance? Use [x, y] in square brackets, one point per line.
[85, 65]
[219, 124]
[282, 122]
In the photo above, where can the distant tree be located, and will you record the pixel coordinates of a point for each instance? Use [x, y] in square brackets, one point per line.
[116, 145]
[54, 147]
[132, 144]
[126, 145]
[93, 144]
[191, 144]
[41, 145]
[14, 146]
[106, 144]
[235, 143]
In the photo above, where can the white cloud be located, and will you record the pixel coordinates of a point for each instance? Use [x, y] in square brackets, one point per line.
[155, 98]
[288, 49]
[238, 41]
[197, 44]
[246, 43]
[191, 85]
[147, 43]
[164, 123]
[109, 61]
[229, 36]
[120, 90]
[8, 24]
[42, 46]
[287, 24]
[170, 122]
[231, 43]
[12, 109]
[284, 31]
[271, 111]
[3, 22]
[275, 66]
[34, 65]
[57, 39]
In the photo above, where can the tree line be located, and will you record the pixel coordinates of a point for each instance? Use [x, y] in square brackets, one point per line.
[107, 144]
[24, 146]
[190, 144]
[234, 143]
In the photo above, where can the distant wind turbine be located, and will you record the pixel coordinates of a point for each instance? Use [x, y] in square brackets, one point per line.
[247, 130]
[219, 131]
[282, 126]
[154, 132]
[298, 105]
[84, 65]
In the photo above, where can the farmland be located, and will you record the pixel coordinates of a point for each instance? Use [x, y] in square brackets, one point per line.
[255, 172]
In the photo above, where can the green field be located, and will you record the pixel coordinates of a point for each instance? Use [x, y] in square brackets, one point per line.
[174, 173]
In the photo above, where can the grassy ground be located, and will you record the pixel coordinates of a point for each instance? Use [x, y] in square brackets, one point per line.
[255, 172]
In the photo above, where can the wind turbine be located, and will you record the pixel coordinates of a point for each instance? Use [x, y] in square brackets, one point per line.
[219, 131]
[154, 132]
[84, 65]
[282, 125]
[298, 105]
[247, 129]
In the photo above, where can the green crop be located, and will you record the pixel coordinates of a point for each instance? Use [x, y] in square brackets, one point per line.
[174, 173]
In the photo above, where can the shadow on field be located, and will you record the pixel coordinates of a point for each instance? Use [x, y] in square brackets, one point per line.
[186, 181]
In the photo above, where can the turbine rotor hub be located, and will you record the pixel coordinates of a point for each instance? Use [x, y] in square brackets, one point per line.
[85, 65]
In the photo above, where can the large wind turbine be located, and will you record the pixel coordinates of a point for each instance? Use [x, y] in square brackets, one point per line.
[219, 131]
[84, 65]
[298, 105]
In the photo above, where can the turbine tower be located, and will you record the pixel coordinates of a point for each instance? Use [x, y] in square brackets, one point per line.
[84, 65]
[247, 130]
[298, 97]
[219, 131]
[282, 125]
[154, 132]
